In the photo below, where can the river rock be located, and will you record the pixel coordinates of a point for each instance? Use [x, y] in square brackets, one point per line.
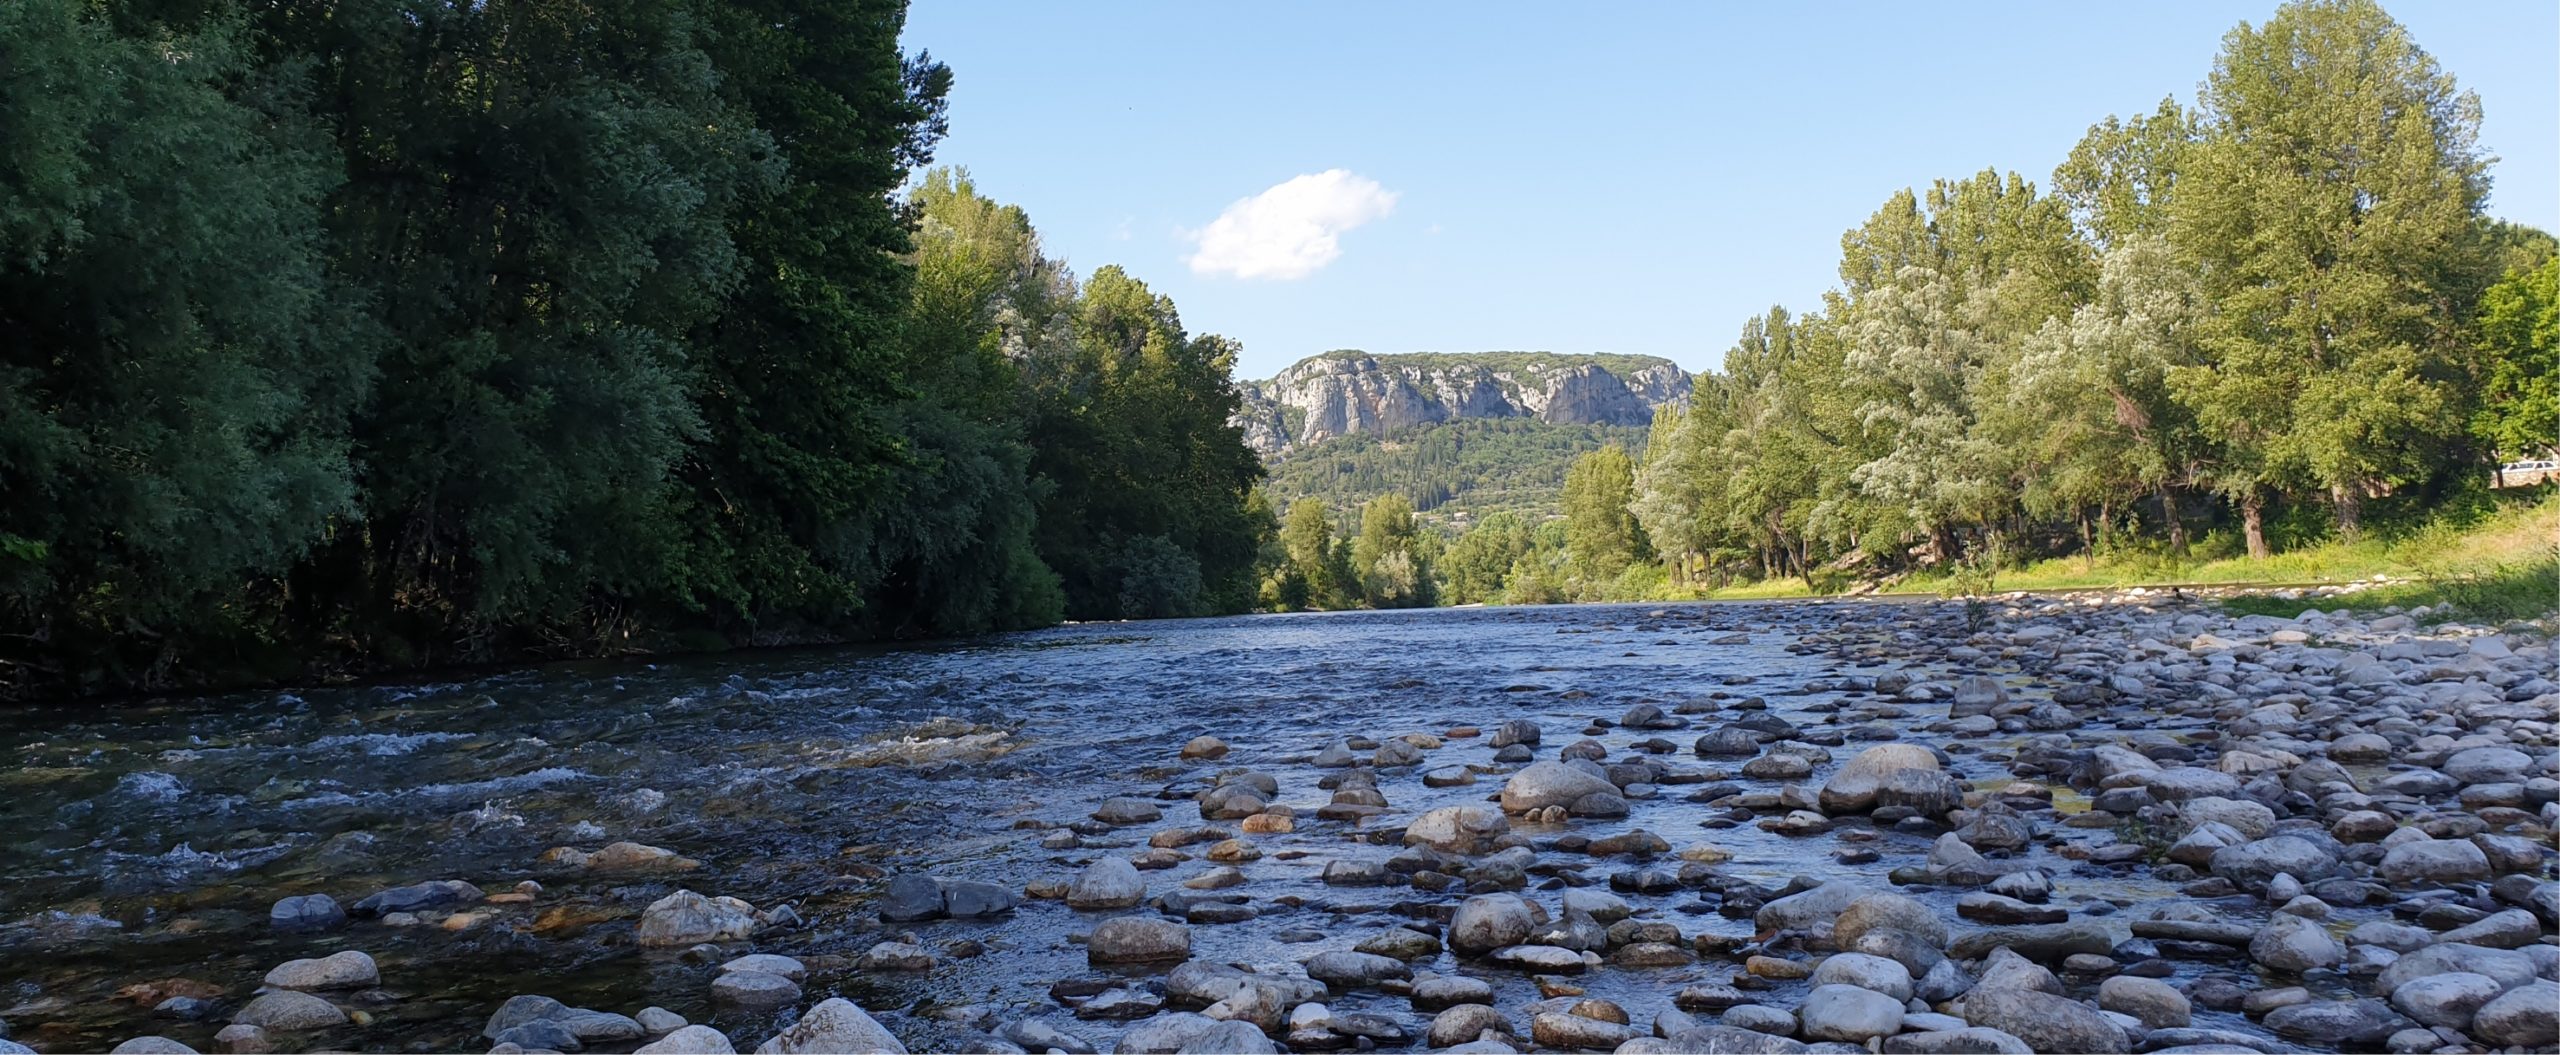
[1758, 1019]
[1229, 1038]
[2154, 1003]
[1576, 1033]
[1545, 784]
[1541, 959]
[620, 857]
[2488, 765]
[305, 913]
[1853, 789]
[1138, 939]
[288, 1010]
[1815, 909]
[1463, 1024]
[1401, 943]
[2043, 943]
[1111, 882]
[338, 970]
[2293, 944]
[1887, 911]
[2510, 968]
[1849, 1013]
[2337, 1023]
[1458, 829]
[688, 918]
[1716, 1039]
[2251, 865]
[2447, 1000]
[2527, 1016]
[1204, 747]
[239, 1038]
[1490, 921]
[1971, 1040]
[154, 1045]
[2251, 818]
[836, 1026]
[754, 990]
[1872, 973]
[1123, 811]
[2435, 861]
[1355, 970]
[689, 1040]
[2045, 1022]
[438, 893]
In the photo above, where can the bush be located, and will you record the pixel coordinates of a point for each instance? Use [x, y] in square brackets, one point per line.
[1158, 580]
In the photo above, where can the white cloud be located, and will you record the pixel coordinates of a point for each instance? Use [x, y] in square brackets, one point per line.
[1292, 230]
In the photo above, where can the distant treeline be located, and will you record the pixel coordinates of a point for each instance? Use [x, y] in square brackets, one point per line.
[2251, 319]
[364, 334]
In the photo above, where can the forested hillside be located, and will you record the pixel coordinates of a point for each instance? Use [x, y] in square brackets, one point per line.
[370, 335]
[1452, 473]
[2273, 317]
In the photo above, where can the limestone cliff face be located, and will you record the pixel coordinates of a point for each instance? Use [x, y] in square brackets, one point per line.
[1340, 393]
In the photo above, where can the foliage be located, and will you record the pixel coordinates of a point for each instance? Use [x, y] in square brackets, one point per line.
[1451, 472]
[370, 334]
[2519, 413]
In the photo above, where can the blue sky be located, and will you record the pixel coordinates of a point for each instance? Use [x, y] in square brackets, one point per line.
[1611, 178]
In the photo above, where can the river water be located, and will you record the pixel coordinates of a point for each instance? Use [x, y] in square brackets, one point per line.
[145, 842]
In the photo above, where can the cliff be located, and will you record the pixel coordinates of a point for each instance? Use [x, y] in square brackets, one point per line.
[1346, 392]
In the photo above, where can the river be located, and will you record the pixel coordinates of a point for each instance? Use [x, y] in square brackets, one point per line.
[145, 841]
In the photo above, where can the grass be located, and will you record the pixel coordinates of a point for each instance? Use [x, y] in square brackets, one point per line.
[2499, 565]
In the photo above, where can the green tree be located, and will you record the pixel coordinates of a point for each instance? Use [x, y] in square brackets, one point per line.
[2331, 209]
[539, 203]
[1601, 536]
[2519, 412]
[2089, 410]
[1387, 555]
[180, 362]
[1476, 565]
[1132, 416]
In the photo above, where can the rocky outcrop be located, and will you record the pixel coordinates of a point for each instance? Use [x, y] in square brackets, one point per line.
[1340, 393]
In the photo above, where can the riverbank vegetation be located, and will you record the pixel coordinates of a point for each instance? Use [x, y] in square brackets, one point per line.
[2268, 336]
[369, 335]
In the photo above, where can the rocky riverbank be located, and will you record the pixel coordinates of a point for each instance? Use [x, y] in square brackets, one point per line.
[2090, 823]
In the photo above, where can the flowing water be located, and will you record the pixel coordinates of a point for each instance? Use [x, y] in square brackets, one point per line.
[140, 843]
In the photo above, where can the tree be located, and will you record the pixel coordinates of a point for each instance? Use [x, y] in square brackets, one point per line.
[180, 362]
[1601, 536]
[2121, 177]
[1476, 566]
[1393, 573]
[539, 205]
[2331, 209]
[1133, 416]
[2089, 407]
[2519, 413]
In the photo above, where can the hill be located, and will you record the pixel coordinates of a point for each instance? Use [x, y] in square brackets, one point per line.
[1348, 392]
[1454, 472]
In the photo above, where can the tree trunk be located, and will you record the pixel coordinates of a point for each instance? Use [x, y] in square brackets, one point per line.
[1804, 562]
[2088, 545]
[2169, 514]
[2253, 522]
[2350, 505]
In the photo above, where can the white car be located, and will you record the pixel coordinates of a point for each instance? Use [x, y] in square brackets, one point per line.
[2539, 465]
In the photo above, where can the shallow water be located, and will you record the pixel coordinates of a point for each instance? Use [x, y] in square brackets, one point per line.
[146, 842]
